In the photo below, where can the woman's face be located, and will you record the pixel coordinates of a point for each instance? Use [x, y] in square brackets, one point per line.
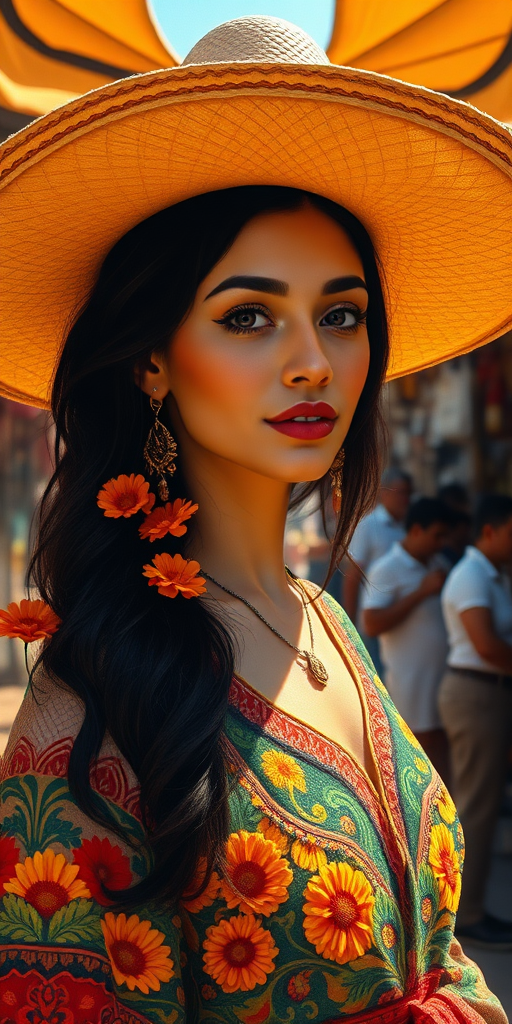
[278, 322]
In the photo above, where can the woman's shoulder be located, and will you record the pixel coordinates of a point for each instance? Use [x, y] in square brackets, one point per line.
[42, 737]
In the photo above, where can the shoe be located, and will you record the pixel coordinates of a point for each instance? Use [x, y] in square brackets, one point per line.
[488, 933]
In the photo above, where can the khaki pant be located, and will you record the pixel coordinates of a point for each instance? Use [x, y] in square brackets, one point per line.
[477, 717]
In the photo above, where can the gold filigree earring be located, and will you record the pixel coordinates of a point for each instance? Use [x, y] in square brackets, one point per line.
[160, 450]
[336, 472]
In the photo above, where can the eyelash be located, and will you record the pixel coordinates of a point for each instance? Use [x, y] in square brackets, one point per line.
[359, 315]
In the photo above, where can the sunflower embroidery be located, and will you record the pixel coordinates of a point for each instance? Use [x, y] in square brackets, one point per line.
[445, 863]
[209, 894]
[239, 953]
[283, 771]
[308, 855]
[258, 876]
[47, 882]
[273, 832]
[446, 807]
[135, 950]
[338, 913]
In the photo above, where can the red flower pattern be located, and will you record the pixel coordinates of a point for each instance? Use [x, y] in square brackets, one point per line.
[101, 863]
[9, 857]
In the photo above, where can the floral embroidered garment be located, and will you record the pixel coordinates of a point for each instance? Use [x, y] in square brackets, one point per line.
[339, 898]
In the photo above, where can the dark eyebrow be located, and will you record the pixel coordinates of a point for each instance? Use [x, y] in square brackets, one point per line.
[343, 284]
[255, 284]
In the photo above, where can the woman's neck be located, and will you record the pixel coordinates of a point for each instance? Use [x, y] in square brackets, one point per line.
[238, 531]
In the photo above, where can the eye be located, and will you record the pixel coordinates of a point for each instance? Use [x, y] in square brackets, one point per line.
[343, 318]
[246, 319]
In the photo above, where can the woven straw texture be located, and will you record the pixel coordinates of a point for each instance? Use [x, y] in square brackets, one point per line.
[431, 178]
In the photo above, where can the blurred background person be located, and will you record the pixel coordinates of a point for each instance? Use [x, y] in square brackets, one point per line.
[373, 537]
[402, 606]
[475, 703]
[456, 496]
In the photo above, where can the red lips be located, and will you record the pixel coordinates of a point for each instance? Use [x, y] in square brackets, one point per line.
[306, 409]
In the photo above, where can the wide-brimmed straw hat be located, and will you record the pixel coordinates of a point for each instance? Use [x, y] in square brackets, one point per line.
[257, 102]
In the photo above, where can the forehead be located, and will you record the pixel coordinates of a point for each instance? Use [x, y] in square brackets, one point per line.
[282, 240]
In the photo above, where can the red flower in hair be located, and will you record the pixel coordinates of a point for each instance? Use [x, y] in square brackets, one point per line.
[100, 862]
[167, 518]
[9, 857]
[29, 620]
[125, 495]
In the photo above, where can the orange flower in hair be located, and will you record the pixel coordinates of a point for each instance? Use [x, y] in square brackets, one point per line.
[29, 620]
[125, 495]
[175, 575]
[167, 518]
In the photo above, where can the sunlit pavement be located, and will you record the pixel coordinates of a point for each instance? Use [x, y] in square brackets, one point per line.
[497, 967]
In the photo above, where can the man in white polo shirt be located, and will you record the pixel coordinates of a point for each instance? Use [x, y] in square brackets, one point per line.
[373, 537]
[475, 703]
[402, 607]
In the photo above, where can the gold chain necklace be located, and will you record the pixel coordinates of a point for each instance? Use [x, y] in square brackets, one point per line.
[314, 665]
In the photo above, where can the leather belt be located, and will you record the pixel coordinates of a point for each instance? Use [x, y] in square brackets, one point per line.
[497, 678]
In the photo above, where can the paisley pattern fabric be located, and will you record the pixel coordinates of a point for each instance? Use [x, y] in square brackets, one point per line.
[338, 902]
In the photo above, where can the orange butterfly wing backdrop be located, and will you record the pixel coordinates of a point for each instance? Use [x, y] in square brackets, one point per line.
[460, 47]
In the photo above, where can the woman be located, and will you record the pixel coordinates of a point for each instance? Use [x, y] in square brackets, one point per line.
[211, 809]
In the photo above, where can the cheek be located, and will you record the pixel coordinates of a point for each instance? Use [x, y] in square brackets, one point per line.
[351, 370]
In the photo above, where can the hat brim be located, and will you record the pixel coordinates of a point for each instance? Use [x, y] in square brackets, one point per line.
[429, 177]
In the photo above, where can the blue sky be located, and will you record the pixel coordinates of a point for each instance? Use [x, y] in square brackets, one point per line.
[183, 22]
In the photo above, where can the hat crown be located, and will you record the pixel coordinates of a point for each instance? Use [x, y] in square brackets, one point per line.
[256, 39]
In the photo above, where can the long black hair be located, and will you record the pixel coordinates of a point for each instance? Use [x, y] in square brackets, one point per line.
[154, 673]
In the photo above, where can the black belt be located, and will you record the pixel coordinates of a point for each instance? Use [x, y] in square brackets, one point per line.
[499, 679]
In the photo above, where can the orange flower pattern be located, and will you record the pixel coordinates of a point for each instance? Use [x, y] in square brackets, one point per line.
[445, 863]
[338, 913]
[196, 903]
[136, 951]
[168, 518]
[47, 882]
[239, 953]
[124, 496]
[175, 575]
[258, 876]
[28, 621]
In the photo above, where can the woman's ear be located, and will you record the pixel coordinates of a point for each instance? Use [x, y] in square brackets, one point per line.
[150, 374]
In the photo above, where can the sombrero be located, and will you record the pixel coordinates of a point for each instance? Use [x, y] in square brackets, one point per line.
[256, 101]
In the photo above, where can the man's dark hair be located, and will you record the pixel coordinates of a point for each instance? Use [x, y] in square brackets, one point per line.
[455, 495]
[492, 510]
[427, 511]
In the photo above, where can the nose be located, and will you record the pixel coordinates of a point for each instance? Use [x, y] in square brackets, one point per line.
[306, 360]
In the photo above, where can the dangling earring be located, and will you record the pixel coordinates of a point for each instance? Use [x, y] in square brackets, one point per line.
[336, 472]
[160, 450]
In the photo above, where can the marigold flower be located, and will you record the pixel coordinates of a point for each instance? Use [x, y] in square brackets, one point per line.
[175, 575]
[239, 953]
[206, 898]
[445, 863]
[338, 913]
[166, 519]
[28, 621]
[47, 882]
[136, 953]
[101, 863]
[9, 857]
[125, 495]
[257, 871]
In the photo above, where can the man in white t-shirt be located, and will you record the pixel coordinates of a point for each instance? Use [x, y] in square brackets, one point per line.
[373, 537]
[475, 703]
[402, 607]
